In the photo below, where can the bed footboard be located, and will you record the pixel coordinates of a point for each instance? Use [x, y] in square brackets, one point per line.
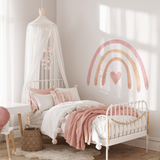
[138, 110]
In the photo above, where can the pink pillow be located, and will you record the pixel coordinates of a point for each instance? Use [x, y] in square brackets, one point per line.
[67, 96]
[37, 91]
[73, 91]
[60, 96]
[55, 98]
[4, 117]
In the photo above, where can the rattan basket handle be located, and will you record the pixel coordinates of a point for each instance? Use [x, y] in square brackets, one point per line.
[27, 125]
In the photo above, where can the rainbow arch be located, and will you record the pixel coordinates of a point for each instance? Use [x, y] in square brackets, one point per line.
[126, 45]
[130, 60]
[127, 70]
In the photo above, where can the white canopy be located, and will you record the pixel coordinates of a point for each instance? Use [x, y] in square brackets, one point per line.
[40, 33]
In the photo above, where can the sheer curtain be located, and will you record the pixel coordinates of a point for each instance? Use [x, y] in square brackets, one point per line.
[6, 53]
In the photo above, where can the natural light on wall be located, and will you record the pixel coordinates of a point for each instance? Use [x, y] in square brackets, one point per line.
[140, 29]
[153, 81]
[143, 27]
[104, 18]
[130, 24]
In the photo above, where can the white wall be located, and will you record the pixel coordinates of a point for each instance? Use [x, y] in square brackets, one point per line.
[22, 12]
[85, 25]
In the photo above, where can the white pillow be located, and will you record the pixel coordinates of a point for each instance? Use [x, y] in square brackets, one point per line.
[45, 102]
[74, 92]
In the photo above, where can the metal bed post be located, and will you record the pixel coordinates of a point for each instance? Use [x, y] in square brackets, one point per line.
[107, 135]
[107, 130]
[147, 126]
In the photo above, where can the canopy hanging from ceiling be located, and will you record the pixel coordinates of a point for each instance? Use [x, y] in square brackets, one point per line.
[40, 33]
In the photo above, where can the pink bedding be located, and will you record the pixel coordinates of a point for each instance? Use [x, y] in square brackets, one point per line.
[78, 124]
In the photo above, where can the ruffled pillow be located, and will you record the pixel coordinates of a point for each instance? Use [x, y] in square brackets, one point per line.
[67, 96]
[71, 95]
[55, 98]
[60, 96]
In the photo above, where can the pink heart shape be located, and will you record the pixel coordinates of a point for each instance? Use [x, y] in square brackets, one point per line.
[115, 77]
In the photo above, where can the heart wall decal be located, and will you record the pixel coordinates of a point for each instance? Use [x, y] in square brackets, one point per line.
[115, 77]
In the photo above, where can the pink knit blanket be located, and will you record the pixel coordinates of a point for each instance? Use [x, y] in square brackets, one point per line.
[4, 117]
[78, 124]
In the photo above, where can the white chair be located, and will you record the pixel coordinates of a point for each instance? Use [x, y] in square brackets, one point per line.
[6, 130]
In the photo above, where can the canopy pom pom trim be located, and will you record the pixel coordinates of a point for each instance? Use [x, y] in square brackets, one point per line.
[54, 141]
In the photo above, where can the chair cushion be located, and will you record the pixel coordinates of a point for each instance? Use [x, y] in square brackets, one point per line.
[4, 117]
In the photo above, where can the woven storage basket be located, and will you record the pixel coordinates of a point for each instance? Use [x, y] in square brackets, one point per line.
[31, 139]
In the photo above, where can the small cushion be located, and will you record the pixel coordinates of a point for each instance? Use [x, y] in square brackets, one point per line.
[73, 91]
[60, 96]
[55, 98]
[4, 117]
[37, 91]
[67, 96]
[45, 102]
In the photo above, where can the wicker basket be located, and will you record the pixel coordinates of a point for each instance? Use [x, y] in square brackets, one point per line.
[31, 139]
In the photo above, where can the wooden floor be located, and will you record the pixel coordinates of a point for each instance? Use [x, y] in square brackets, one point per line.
[117, 152]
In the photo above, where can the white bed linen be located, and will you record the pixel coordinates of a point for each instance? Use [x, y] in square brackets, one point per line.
[98, 125]
[51, 121]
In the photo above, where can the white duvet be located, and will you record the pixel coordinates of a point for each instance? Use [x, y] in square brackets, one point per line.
[52, 117]
[51, 122]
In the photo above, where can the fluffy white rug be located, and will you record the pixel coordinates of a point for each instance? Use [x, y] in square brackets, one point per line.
[59, 152]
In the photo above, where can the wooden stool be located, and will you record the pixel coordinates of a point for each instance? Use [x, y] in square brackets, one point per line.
[6, 133]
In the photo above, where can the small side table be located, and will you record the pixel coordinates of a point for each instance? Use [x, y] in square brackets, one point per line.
[17, 108]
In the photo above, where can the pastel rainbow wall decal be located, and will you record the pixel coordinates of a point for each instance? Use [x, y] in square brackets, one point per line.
[127, 70]
[130, 60]
[126, 55]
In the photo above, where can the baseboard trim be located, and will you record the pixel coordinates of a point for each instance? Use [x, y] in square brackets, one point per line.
[154, 143]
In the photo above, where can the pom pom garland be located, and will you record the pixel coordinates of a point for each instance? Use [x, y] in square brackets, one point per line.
[69, 111]
[98, 146]
[94, 106]
[59, 130]
[62, 119]
[86, 107]
[102, 104]
[78, 108]
[54, 141]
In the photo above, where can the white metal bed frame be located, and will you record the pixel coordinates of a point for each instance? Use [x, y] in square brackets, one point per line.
[139, 106]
